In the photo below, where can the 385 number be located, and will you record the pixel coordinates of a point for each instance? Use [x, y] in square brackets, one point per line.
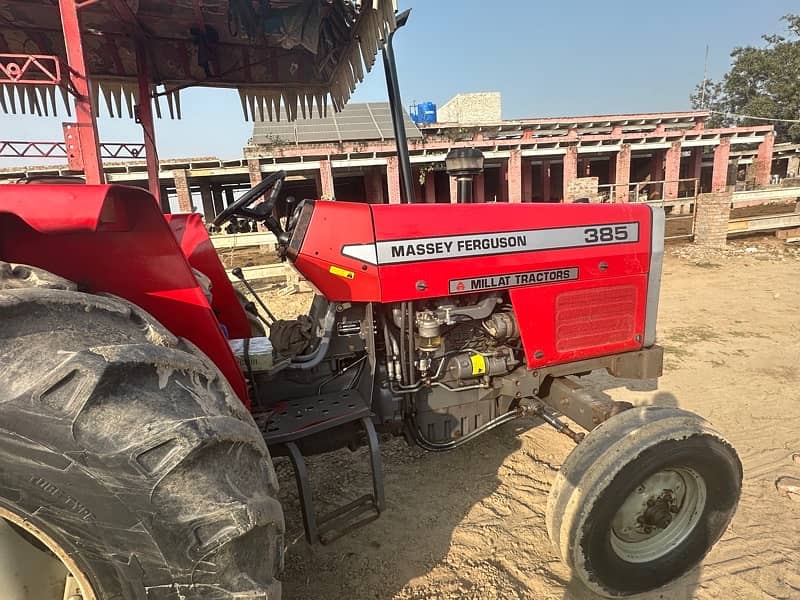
[594, 235]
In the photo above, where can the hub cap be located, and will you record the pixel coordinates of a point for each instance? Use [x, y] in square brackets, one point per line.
[659, 515]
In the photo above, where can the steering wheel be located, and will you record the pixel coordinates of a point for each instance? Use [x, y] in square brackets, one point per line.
[263, 212]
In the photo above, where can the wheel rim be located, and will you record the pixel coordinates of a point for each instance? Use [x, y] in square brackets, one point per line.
[58, 573]
[658, 515]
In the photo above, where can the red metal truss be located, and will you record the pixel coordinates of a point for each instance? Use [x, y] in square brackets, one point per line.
[59, 150]
[32, 69]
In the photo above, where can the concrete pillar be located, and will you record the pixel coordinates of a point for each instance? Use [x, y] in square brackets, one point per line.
[326, 180]
[622, 170]
[182, 188]
[479, 189]
[453, 190]
[696, 163]
[254, 170]
[373, 185]
[764, 158]
[712, 213]
[657, 166]
[502, 187]
[570, 168]
[793, 166]
[393, 179]
[419, 193]
[515, 177]
[527, 181]
[672, 171]
[719, 176]
[228, 196]
[208, 202]
[216, 194]
[430, 187]
[546, 181]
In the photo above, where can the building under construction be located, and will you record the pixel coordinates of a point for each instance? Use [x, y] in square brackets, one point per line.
[351, 155]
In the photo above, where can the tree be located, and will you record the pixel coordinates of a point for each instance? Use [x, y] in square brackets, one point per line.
[762, 82]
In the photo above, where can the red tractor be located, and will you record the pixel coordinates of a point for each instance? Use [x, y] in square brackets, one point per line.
[140, 403]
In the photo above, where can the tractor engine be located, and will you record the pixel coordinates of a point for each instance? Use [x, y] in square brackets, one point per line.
[443, 358]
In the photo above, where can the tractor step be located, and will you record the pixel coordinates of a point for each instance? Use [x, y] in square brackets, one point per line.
[292, 421]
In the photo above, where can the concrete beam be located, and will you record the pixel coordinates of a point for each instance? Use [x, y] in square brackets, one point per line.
[766, 223]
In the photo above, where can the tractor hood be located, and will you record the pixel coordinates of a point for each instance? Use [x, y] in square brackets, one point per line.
[284, 56]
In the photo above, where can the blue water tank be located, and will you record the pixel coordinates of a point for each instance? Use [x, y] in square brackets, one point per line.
[424, 113]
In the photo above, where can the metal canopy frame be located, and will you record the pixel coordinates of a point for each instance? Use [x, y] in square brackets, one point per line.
[40, 76]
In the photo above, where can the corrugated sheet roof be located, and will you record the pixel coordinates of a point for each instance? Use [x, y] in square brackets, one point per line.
[356, 122]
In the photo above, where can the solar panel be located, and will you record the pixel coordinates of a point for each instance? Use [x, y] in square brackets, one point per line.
[366, 121]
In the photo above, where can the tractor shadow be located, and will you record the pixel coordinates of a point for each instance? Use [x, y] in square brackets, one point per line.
[411, 551]
[469, 523]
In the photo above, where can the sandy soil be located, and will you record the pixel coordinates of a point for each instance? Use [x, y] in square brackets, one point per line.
[470, 523]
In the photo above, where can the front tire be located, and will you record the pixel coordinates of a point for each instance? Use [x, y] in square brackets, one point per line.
[642, 500]
[127, 448]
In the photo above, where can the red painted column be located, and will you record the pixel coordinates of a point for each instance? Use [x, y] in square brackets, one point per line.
[570, 169]
[622, 167]
[393, 179]
[719, 176]
[430, 187]
[515, 177]
[672, 171]
[145, 113]
[764, 164]
[479, 188]
[546, 181]
[88, 140]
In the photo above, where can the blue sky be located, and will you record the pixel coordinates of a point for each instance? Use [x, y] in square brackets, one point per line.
[546, 58]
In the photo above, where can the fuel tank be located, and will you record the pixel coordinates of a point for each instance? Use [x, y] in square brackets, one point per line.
[583, 278]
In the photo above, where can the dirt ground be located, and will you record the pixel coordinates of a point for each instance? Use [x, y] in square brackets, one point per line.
[470, 523]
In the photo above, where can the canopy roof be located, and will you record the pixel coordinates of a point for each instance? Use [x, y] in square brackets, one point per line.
[284, 56]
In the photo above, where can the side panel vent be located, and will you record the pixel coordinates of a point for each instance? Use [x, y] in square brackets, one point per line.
[595, 317]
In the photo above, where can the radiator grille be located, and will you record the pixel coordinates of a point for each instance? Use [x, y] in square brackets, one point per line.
[595, 317]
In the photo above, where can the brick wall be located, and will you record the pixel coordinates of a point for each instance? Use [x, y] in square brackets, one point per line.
[515, 177]
[393, 179]
[713, 211]
[622, 174]
[254, 171]
[478, 107]
[326, 180]
[582, 187]
[182, 189]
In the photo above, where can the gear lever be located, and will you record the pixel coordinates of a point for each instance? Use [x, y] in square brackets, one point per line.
[237, 272]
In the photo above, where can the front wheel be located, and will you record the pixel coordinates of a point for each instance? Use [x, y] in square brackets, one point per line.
[643, 499]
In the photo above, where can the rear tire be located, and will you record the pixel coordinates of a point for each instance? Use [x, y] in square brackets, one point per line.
[127, 447]
[642, 499]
